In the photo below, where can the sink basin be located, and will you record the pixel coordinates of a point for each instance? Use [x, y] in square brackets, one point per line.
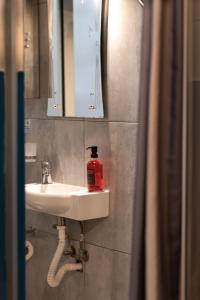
[69, 201]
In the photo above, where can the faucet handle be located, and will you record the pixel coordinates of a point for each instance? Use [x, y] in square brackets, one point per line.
[46, 172]
[45, 165]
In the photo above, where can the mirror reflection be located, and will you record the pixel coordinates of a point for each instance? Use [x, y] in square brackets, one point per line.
[82, 58]
[75, 58]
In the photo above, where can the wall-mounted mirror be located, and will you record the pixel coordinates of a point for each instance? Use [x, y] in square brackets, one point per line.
[76, 32]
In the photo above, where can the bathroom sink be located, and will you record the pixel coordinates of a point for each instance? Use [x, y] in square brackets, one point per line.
[69, 201]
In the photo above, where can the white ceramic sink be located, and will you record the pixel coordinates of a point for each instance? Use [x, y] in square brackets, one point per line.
[69, 201]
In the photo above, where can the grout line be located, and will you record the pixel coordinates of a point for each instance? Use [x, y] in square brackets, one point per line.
[79, 120]
[110, 121]
[41, 231]
[52, 234]
[113, 250]
[103, 247]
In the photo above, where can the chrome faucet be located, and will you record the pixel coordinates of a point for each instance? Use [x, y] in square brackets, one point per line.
[46, 173]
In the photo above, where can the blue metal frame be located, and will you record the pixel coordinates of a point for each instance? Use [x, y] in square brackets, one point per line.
[2, 190]
[21, 193]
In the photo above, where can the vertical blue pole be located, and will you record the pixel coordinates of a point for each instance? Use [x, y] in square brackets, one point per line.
[2, 191]
[21, 193]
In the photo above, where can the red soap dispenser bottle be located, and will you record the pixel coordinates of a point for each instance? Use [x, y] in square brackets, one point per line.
[94, 172]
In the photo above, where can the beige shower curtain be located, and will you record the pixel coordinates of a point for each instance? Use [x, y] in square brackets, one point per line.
[152, 210]
[157, 211]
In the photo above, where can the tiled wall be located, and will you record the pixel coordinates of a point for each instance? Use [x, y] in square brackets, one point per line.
[63, 142]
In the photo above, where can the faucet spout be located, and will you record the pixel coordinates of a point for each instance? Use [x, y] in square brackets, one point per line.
[46, 173]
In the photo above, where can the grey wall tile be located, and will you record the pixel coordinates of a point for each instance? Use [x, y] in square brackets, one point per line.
[45, 223]
[123, 60]
[121, 270]
[42, 133]
[107, 275]
[32, 133]
[61, 142]
[67, 152]
[36, 108]
[37, 268]
[41, 222]
[33, 172]
[196, 9]
[196, 50]
[117, 149]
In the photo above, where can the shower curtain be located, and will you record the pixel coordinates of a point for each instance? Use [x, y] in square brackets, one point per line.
[157, 210]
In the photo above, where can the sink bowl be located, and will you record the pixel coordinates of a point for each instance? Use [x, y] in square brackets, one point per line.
[69, 201]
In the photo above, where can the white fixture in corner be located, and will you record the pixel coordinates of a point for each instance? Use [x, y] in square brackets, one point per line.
[68, 201]
[30, 250]
[54, 278]
[30, 152]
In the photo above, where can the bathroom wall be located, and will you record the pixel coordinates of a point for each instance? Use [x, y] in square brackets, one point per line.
[63, 142]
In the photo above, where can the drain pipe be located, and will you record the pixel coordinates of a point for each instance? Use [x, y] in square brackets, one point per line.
[30, 250]
[53, 278]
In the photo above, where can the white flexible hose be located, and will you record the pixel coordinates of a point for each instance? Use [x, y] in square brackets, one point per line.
[54, 279]
[30, 253]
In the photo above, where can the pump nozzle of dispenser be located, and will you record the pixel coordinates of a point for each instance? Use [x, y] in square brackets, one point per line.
[94, 150]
